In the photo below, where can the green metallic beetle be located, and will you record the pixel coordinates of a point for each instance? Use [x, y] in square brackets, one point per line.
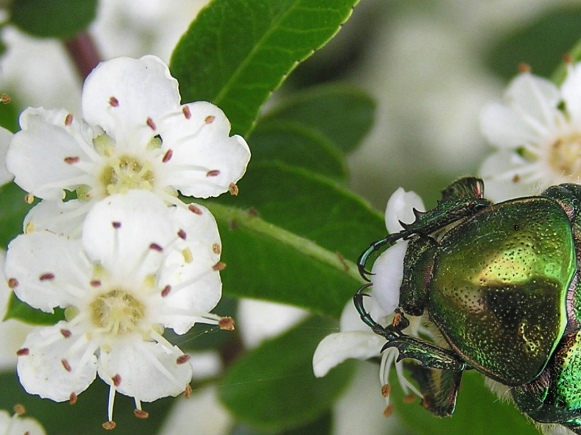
[501, 284]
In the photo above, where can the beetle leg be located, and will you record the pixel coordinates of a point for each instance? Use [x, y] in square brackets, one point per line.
[390, 332]
[388, 241]
[428, 354]
[439, 388]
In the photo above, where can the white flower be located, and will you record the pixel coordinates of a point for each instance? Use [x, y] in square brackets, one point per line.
[18, 425]
[356, 339]
[12, 331]
[140, 266]
[205, 409]
[134, 134]
[537, 133]
[5, 138]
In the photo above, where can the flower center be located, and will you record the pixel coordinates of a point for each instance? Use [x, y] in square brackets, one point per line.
[565, 155]
[117, 312]
[125, 173]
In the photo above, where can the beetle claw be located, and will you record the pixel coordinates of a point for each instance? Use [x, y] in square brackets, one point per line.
[365, 274]
[387, 241]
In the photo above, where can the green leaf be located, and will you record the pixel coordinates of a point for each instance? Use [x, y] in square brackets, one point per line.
[478, 412]
[322, 425]
[283, 245]
[3, 47]
[13, 208]
[87, 415]
[340, 112]
[8, 116]
[297, 144]
[20, 311]
[309, 206]
[273, 386]
[237, 52]
[540, 44]
[266, 262]
[53, 18]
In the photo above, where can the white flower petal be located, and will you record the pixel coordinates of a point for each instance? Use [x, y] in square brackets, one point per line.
[43, 372]
[205, 159]
[58, 217]
[143, 88]
[400, 208]
[38, 154]
[506, 129]
[17, 425]
[361, 406]
[49, 269]
[534, 97]
[387, 275]
[197, 299]
[119, 232]
[197, 287]
[12, 332]
[148, 371]
[501, 169]
[5, 137]
[336, 348]
[350, 318]
[571, 90]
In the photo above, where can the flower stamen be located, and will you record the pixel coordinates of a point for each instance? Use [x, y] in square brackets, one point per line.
[565, 155]
[167, 156]
[72, 160]
[117, 312]
[46, 277]
[182, 359]
[195, 209]
[124, 173]
[66, 365]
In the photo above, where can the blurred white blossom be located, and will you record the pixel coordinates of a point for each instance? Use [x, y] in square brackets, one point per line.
[139, 27]
[16, 424]
[5, 138]
[536, 131]
[202, 409]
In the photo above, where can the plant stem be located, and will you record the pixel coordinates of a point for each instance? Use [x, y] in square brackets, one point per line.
[83, 52]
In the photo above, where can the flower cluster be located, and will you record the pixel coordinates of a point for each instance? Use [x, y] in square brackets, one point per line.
[356, 339]
[537, 133]
[111, 242]
[16, 424]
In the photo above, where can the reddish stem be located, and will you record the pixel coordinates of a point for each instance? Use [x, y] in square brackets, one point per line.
[83, 52]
